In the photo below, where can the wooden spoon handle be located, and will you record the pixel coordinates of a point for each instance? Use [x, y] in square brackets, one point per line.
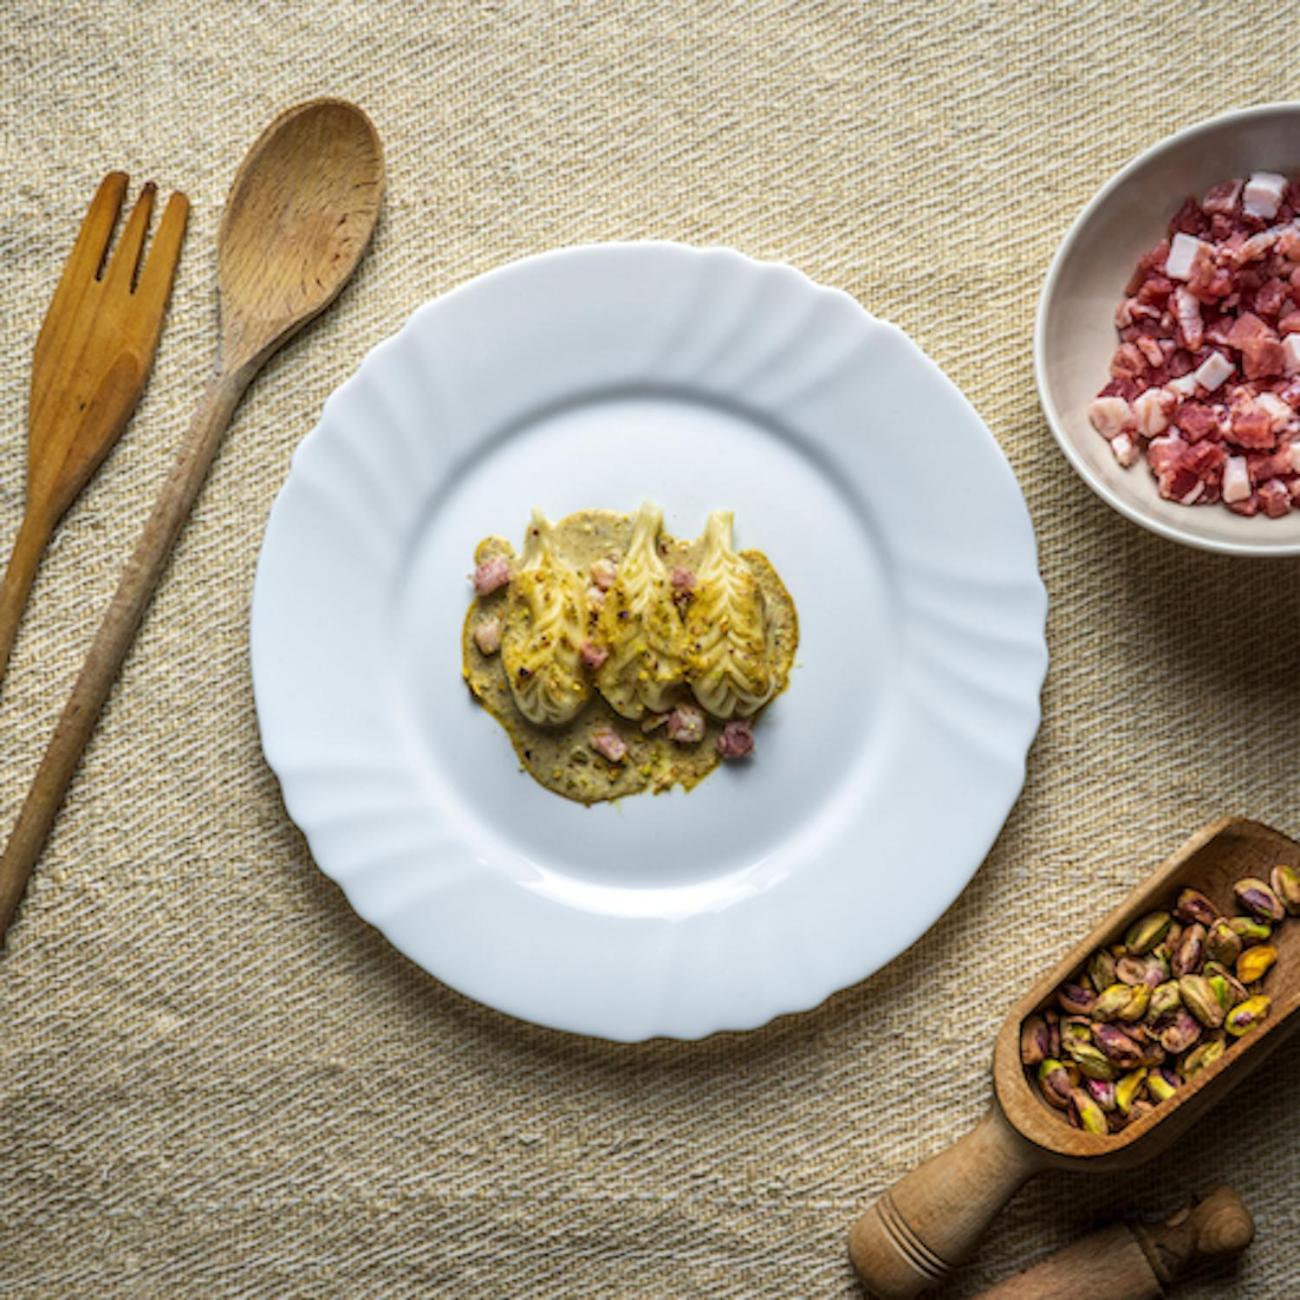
[29, 546]
[932, 1220]
[115, 635]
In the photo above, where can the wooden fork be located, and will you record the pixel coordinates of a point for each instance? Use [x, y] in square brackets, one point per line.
[93, 355]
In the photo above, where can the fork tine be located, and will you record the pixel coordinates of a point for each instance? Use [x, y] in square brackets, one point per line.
[82, 266]
[155, 280]
[92, 242]
[121, 270]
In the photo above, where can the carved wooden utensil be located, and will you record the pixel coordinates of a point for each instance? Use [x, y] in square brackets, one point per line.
[299, 216]
[931, 1220]
[93, 355]
[1137, 1261]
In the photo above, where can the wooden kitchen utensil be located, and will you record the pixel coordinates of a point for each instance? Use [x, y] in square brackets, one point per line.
[299, 216]
[931, 1220]
[1137, 1261]
[93, 355]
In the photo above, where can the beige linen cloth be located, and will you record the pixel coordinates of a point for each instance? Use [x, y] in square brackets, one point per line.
[214, 1078]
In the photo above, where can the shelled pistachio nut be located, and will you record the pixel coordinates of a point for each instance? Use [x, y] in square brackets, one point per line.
[1086, 1113]
[1160, 1086]
[1190, 954]
[1254, 963]
[1249, 930]
[1199, 999]
[1101, 969]
[1053, 1019]
[1035, 1041]
[1152, 968]
[1148, 1041]
[1139, 1108]
[1222, 992]
[1128, 1088]
[1255, 897]
[1248, 1015]
[1180, 1033]
[1054, 1083]
[1111, 1001]
[1164, 998]
[1286, 885]
[1115, 1047]
[1075, 1029]
[1074, 999]
[1102, 1091]
[1153, 1053]
[1093, 1063]
[1147, 931]
[1139, 999]
[1215, 970]
[1222, 942]
[1202, 1055]
[1193, 906]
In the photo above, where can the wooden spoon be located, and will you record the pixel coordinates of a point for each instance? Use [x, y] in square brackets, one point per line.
[300, 214]
[931, 1220]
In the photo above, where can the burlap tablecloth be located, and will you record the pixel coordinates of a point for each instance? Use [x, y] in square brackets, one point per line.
[214, 1078]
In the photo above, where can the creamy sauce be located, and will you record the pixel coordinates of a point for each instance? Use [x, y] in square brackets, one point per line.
[560, 757]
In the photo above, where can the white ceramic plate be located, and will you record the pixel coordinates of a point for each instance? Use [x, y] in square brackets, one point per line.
[602, 376]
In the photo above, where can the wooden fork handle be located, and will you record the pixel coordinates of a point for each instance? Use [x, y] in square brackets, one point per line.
[29, 545]
[933, 1218]
[115, 635]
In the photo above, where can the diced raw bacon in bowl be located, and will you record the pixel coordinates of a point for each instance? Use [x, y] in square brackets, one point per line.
[1262, 195]
[1274, 498]
[1204, 384]
[1236, 480]
[1127, 452]
[1151, 411]
[1110, 415]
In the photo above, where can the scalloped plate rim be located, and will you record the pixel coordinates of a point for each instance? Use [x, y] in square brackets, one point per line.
[799, 995]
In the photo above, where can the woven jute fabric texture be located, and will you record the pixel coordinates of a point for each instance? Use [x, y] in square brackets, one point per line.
[214, 1078]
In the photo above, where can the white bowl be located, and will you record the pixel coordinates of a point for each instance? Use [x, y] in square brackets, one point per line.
[1074, 337]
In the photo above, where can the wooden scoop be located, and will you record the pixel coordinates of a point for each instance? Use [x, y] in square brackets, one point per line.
[300, 213]
[932, 1220]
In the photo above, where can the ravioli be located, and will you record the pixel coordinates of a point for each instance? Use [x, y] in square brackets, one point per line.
[541, 641]
[640, 629]
[617, 658]
[731, 662]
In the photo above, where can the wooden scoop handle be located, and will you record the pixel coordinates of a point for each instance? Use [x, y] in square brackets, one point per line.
[1135, 1261]
[933, 1218]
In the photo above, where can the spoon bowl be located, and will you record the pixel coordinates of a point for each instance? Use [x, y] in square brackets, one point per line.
[296, 223]
[933, 1218]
